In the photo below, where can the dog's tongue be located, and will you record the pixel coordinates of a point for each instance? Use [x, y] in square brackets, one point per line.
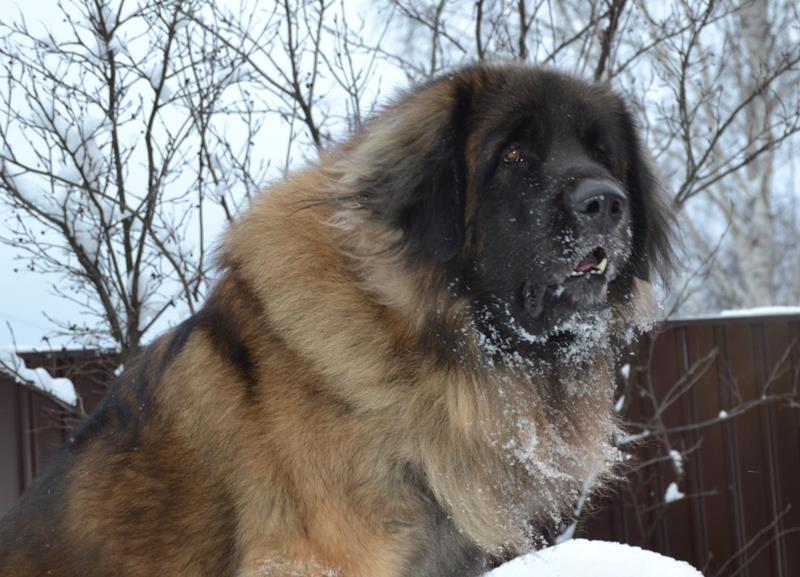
[587, 263]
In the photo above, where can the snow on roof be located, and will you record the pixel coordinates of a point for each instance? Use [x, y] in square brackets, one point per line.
[761, 311]
[580, 557]
[742, 313]
[13, 365]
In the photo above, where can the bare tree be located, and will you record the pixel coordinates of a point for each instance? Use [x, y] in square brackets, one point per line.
[732, 103]
[129, 135]
[124, 138]
[113, 146]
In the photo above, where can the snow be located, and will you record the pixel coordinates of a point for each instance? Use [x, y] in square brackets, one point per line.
[65, 131]
[589, 331]
[672, 493]
[205, 15]
[91, 123]
[768, 311]
[118, 45]
[156, 74]
[108, 15]
[619, 404]
[634, 438]
[70, 172]
[677, 461]
[568, 533]
[31, 189]
[723, 414]
[13, 365]
[761, 311]
[166, 93]
[625, 371]
[86, 235]
[583, 558]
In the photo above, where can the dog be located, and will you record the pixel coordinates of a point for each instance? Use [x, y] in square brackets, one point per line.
[406, 366]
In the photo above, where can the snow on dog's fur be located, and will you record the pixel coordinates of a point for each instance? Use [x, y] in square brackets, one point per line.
[405, 368]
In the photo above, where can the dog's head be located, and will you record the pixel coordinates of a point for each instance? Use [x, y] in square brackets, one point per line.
[530, 189]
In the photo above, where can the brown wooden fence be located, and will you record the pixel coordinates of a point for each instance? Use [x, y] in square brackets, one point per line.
[33, 428]
[740, 515]
[741, 512]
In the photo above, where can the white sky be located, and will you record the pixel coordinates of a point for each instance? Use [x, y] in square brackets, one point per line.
[24, 296]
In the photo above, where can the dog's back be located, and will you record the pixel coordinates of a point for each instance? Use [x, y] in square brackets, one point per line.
[124, 497]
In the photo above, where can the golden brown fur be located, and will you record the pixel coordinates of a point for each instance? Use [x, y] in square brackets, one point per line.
[330, 412]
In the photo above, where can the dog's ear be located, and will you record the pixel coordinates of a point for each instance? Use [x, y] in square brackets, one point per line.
[653, 219]
[416, 182]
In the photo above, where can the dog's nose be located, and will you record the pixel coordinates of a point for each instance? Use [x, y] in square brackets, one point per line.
[598, 204]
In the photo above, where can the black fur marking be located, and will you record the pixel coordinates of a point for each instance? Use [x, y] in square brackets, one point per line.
[446, 551]
[434, 223]
[126, 405]
[652, 219]
[224, 557]
[247, 293]
[177, 341]
[421, 190]
[442, 550]
[222, 333]
[95, 423]
[123, 410]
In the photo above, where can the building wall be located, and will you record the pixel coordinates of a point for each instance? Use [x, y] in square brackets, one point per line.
[33, 428]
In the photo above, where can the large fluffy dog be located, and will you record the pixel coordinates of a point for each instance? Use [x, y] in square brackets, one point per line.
[405, 368]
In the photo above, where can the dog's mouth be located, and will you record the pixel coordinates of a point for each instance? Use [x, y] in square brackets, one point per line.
[594, 263]
[584, 284]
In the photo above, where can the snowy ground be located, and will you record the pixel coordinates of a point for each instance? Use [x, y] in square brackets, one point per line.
[582, 558]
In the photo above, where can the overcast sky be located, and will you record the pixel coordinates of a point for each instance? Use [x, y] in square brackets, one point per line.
[24, 296]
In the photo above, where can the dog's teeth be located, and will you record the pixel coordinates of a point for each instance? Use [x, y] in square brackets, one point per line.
[601, 268]
[575, 273]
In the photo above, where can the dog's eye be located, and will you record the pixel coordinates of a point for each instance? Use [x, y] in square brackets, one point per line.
[513, 154]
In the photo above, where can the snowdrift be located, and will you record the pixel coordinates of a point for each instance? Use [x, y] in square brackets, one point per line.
[583, 558]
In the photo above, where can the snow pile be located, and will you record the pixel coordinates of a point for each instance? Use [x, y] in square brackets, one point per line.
[582, 558]
[13, 365]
